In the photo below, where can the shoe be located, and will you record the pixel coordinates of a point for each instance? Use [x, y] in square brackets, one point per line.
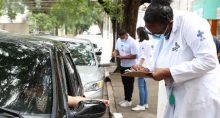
[122, 102]
[146, 106]
[138, 108]
[126, 104]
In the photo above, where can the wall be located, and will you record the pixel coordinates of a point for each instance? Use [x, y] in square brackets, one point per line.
[21, 28]
[107, 39]
[182, 5]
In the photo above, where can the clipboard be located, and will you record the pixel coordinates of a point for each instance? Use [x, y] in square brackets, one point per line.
[137, 74]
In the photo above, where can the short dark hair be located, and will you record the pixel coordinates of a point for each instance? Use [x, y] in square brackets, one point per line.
[122, 32]
[159, 11]
[142, 34]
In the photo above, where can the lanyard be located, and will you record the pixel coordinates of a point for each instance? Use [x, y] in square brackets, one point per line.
[171, 97]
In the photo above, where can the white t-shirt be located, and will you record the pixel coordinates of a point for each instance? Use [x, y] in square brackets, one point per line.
[145, 51]
[127, 47]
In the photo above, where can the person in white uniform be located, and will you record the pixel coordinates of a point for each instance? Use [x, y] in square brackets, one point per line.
[144, 59]
[185, 58]
[126, 50]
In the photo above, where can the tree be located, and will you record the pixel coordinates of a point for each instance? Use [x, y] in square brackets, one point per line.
[77, 14]
[11, 8]
[1, 6]
[42, 22]
[128, 12]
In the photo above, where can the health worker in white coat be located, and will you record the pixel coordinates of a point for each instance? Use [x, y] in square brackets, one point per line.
[185, 58]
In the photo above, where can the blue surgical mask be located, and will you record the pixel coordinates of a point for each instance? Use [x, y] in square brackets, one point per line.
[123, 40]
[159, 37]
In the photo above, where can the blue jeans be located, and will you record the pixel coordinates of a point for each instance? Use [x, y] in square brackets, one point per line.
[143, 91]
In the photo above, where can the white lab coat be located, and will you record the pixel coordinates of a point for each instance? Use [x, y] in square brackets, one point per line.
[191, 56]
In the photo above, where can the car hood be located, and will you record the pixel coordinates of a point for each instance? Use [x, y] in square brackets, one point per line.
[89, 74]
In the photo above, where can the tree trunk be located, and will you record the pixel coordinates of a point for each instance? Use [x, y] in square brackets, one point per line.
[56, 30]
[130, 11]
[100, 24]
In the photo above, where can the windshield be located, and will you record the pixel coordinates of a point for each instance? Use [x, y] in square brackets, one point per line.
[25, 78]
[81, 53]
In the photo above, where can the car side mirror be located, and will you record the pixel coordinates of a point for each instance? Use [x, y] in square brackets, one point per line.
[98, 53]
[88, 109]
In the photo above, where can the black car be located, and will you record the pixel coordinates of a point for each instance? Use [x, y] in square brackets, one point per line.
[36, 76]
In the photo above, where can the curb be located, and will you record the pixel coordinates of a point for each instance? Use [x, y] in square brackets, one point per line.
[112, 107]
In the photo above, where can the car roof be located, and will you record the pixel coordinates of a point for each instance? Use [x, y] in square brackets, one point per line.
[68, 39]
[29, 40]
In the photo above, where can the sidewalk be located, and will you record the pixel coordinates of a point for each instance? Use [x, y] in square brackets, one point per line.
[118, 92]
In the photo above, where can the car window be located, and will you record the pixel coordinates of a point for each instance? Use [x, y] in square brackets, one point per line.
[74, 84]
[25, 78]
[81, 53]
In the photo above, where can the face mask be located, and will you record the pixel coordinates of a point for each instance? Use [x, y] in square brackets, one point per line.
[123, 40]
[161, 36]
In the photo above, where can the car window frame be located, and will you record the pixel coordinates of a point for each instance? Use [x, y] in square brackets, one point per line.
[59, 55]
[76, 78]
[54, 103]
[60, 87]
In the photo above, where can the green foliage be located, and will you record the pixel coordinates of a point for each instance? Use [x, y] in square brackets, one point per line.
[73, 14]
[42, 22]
[77, 14]
[115, 9]
[1, 6]
[11, 8]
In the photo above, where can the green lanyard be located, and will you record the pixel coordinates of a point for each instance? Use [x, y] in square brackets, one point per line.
[171, 98]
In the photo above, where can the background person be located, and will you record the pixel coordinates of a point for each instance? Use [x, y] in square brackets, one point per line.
[126, 50]
[217, 44]
[143, 60]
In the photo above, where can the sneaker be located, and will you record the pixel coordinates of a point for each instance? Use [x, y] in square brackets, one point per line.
[138, 108]
[146, 106]
[126, 104]
[122, 102]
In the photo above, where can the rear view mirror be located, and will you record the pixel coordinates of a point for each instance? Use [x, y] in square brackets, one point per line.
[89, 109]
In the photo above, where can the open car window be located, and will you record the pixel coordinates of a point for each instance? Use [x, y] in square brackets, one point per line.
[72, 78]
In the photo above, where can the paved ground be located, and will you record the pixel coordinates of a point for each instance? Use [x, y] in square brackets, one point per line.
[127, 112]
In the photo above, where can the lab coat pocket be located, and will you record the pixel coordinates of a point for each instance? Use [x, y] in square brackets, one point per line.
[196, 92]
